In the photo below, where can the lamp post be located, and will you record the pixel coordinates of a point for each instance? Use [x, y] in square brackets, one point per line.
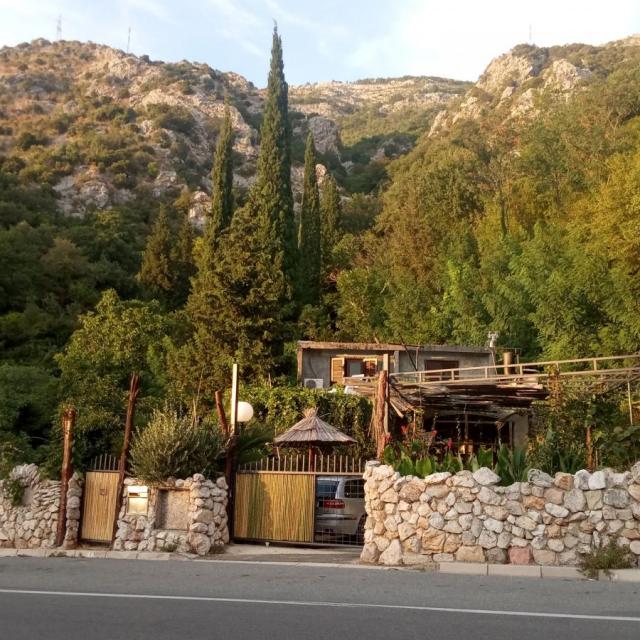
[240, 412]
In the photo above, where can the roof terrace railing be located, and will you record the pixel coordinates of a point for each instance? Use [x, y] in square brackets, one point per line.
[532, 370]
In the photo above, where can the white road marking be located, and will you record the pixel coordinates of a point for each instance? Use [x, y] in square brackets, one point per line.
[338, 605]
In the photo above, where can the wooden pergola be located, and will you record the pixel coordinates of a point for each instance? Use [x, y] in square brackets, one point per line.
[490, 395]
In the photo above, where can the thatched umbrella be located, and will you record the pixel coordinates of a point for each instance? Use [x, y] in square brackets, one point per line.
[312, 432]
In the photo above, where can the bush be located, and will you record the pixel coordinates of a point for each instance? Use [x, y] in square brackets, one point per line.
[606, 558]
[174, 445]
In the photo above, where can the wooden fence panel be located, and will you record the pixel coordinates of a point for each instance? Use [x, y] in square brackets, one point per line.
[275, 506]
[100, 501]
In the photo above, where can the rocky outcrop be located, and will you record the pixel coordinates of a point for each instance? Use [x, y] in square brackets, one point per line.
[511, 82]
[467, 517]
[335, 100]
[33, 522]
[114, 124]
[203, 528]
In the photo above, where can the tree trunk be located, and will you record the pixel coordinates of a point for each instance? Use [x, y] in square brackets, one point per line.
[68, 422]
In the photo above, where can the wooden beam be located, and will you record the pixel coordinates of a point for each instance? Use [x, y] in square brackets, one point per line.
[134, 390]
[68, 423]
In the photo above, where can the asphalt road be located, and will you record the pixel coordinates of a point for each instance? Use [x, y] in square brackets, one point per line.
[65, 599]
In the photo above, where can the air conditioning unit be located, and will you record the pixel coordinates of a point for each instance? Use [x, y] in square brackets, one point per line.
[314, 383]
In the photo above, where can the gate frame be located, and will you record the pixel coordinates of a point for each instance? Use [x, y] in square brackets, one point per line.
[104, 463]
[298, 464]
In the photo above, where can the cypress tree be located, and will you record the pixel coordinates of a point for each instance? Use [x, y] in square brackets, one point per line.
[309, 232]
[331, 211]
[182, 266]
[222, 178]
[155, 270]
[240, 304]
[271, 196]
[235, 306]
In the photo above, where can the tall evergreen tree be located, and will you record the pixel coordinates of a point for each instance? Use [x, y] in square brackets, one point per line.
[235, 306]
[155, 270]
[182, 264]
[222, 178]
[241, 300]
[309, 232]
[271, 196]
[331, 212]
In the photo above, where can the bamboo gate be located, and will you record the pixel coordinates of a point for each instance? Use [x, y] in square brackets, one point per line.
[281, 499]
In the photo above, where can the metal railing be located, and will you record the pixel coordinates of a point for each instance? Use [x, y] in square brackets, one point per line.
[521, 370]
[300, 463]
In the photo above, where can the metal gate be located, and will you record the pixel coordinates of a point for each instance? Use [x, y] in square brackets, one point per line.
[280, 499]
[100, 500]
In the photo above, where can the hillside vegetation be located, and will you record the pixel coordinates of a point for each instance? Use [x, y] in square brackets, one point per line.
[509, 206]
[518, 220]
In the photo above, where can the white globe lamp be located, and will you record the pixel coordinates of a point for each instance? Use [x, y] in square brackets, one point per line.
[245, 411]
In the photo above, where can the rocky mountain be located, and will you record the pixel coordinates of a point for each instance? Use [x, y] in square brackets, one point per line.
[513, 83]
[378, 118]
[100, 126]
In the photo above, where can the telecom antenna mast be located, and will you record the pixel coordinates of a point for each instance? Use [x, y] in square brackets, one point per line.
[129, 40]
[59, 28]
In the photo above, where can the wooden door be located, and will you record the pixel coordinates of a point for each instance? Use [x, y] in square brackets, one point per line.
[275, 506]
[99, 509]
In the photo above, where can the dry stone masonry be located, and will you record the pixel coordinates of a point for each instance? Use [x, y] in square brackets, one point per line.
[467, 517]
[188, 516]
[33, 523]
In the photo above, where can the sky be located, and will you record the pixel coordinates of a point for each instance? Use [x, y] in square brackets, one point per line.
[325, 39]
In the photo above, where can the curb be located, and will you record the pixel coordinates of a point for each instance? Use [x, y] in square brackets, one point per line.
[102, 554]
[451, 568]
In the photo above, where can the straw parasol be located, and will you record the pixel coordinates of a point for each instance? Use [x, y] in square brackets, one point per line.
[311, 432]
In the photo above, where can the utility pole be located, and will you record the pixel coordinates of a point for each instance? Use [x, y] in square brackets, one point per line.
[129, 40]
[59, 28]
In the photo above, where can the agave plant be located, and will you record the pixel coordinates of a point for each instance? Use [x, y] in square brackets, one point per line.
[513, 464]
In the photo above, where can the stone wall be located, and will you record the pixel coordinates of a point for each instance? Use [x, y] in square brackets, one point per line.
[205, 521]
[467, 517]
[33, 523]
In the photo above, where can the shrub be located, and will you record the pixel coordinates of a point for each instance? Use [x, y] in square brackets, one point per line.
[513, 464]
[606, 558]
[174, 445]
[14, 490]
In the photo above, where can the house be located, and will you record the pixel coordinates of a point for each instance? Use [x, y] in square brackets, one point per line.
[324, 364]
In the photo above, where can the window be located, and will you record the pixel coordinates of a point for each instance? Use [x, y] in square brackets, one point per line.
[435, 365]
[326, 488]
[347, 367]
[354, 489]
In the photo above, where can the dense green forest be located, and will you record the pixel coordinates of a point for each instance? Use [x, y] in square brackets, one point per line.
[528, 226]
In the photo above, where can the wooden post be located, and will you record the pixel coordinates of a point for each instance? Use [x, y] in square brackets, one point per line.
[385, 367]
[222, 418]
[68, 422]
[379, 430]
[134, 390]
